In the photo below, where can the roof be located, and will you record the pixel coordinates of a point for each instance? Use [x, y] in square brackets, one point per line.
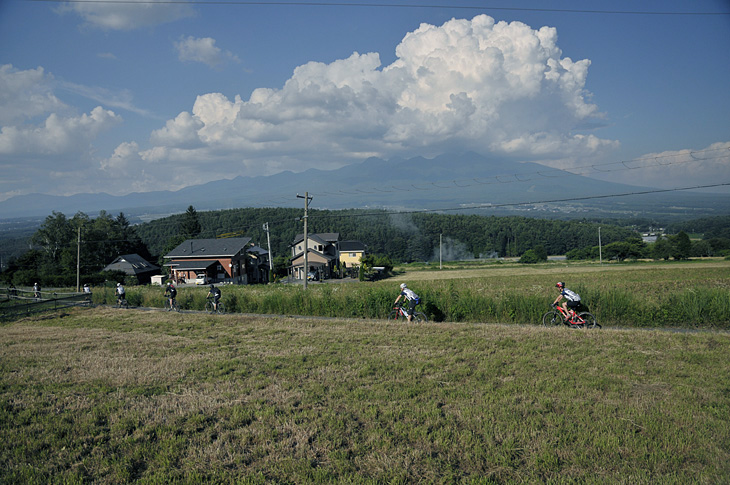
[323, 237]
[310, 253]
[192, 265]
[131, 264]
[352, 246]
[209, 248]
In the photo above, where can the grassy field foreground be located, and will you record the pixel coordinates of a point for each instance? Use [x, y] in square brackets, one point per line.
[115, 396]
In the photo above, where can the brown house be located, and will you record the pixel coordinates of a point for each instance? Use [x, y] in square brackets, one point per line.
[224, 260]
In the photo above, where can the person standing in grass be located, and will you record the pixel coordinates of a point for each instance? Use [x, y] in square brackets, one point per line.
[572, 299]
[121, 294]
[411, 297]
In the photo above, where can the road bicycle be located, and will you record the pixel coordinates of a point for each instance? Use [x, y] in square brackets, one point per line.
[211, 308]
[122, 303]
[399, 311]
[572, 319]
[174, 306]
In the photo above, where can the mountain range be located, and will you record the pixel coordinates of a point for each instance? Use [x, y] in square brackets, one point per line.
[449, 182]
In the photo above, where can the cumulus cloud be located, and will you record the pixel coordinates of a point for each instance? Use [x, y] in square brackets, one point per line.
[25, 94]
[111, 15]
[203, 50]
[501, 88]
[57, 135]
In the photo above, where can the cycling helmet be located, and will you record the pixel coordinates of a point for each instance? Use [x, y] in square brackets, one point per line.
[560, 284]
[119, 284]
[212, 286]
[402, 286]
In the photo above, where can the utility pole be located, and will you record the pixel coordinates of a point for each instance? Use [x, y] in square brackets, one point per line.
[306, 198]
[440, 251]
[78, 261]
[268, 241]
[600, 255]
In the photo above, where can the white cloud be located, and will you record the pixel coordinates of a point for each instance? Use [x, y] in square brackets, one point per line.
[202, 50]
[56, 136]
[473, 84]
[672, 169]
[111, 15]
[26, 94]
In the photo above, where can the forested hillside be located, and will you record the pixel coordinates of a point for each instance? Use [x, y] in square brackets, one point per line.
[62, 246]
[401, 236]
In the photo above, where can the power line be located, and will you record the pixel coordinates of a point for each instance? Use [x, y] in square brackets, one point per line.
[549, 172]
[387, 5]
[544, 201]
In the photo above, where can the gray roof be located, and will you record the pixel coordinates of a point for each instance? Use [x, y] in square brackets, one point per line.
[323, 237]
[193, 265]
[209, 248]
[131, 264]
[352, 246]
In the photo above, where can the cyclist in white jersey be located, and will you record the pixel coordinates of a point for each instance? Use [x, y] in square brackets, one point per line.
[572, 299]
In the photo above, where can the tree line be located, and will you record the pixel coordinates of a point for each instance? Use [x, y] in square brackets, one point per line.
[61, 242]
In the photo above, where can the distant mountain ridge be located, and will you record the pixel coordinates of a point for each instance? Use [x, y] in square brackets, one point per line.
[449, 181]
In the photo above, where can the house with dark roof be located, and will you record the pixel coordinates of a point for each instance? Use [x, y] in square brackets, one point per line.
[223, 260]
[134, 265]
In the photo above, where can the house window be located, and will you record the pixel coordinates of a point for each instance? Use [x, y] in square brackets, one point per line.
[220, 268]
[353, 255]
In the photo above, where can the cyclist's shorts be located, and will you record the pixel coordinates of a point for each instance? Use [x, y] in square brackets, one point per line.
[573, 304]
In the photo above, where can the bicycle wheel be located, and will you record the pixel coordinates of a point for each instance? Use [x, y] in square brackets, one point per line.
[124, 304]
[420, 317]
[590, 320]
[221, 308]
[167, 305]
[394, 315]
[209, 306]
[175, 306]
[551, 318]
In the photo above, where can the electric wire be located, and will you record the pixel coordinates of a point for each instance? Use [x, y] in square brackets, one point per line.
[391, 5]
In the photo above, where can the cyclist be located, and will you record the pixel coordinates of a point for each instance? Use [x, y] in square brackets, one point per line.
[171, 293]
[572, 299]
[121, 294]
[411, 297]
[37, 290]
[216, 294]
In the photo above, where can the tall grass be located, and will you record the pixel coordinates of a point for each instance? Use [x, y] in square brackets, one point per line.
[650, 295]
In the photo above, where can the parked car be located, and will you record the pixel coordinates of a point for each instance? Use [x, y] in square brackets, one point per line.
[201, 280]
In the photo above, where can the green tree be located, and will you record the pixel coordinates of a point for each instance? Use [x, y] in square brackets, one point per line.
[661, 249]
[190, 225]
[682, 246]
[54, 234]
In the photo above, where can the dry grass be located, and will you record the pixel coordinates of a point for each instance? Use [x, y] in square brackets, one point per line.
[111, 396]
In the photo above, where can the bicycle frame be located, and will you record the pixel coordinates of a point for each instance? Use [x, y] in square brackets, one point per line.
[571, 318]
[401, 311]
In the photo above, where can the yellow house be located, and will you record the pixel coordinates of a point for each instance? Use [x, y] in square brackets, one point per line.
[351, 253]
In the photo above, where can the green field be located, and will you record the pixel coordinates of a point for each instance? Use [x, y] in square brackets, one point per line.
[105, 395]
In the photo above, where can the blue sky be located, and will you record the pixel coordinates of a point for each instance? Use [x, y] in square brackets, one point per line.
[124, 97]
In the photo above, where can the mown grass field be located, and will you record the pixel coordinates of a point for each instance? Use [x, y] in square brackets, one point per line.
[104, 395]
